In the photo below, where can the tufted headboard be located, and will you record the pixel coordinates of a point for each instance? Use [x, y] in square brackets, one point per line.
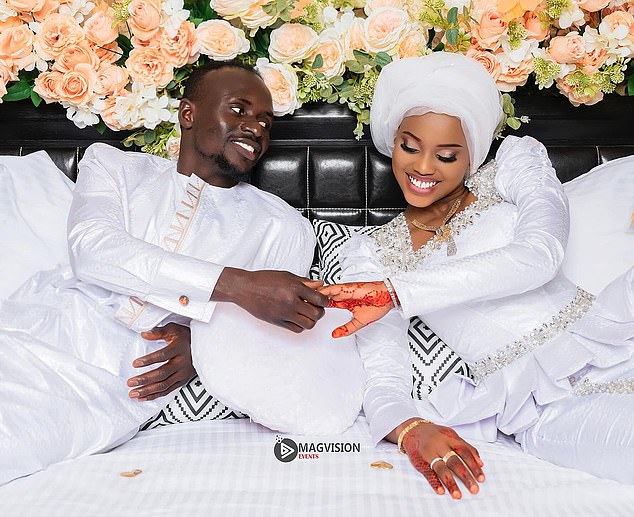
[317, 166]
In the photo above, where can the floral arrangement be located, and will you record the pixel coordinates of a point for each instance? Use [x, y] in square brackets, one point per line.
[122, 64]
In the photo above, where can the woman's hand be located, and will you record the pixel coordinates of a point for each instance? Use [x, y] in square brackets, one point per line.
[367, 301]
[426, 442]
[177, 370]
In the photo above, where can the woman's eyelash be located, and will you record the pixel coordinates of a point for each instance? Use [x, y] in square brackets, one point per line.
[447, 159]
[407, 149]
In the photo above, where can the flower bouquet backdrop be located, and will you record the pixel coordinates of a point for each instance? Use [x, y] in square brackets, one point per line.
[122, 64]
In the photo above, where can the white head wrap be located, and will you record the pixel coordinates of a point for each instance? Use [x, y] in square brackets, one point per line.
[440, 82]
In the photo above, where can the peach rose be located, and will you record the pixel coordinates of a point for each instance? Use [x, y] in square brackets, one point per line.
[373, 5]
[618, 24]
[25, 6]
[489, 29]
[384, 29]
[184, 47]
[109, 112]
[74, 54]
[49, 7]
[220, 40]
[512, 75]
[330, 47]
[567, 49]
[589, 98]
[173, 147]
[281, 81]
[230, 9]
[47, 86]
[590, 62]
[111, 79]
[592, 6]
[13, 21]
[101, 28]
[148, 66]
[108, 53]
[292, 42]
[56, 32]
[534, 27]
[16, 44]
[487, 59]
[256, 17]
[145, 17]
[8, 72]
[299, 8]
[354, 37]
[77, 85]
[511, 9]
[412, 44]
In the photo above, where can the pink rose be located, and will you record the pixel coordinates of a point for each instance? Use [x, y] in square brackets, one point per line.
[184, 47]
[488, 28]
[576, 99]
[101, 28]
[56, 32]
[220, 40]
[47, 86]
[487, 59]
[292, 42]
[145, 17]
[25, 6]
[511, 75]
[592, 6]
[567, 49]
[148, 66]
[111, 79]
[77, 85]
[74, 54]
[16, 44]
[534, 27]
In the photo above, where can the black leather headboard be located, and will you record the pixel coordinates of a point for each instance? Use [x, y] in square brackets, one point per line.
[314, 162]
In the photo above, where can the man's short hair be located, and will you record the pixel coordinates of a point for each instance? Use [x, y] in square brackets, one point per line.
[193, 85]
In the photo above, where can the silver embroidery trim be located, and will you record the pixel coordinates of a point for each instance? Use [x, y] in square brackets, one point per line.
[394, 242]
[537, 337]
[586, 387]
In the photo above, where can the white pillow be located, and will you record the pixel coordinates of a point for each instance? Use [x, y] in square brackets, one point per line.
[601, 244]
[35, 198]
[306, 383]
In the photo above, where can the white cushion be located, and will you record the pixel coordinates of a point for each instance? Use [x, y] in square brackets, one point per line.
[601, 243]
[35, 198]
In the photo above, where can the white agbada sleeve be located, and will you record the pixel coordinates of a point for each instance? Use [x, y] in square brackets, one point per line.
[104, 253]
[383, 348]
[526, 178]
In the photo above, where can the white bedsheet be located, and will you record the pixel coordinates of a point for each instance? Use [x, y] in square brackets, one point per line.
[228, 468]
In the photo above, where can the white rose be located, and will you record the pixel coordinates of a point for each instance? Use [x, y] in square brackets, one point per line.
[571, 15]
[373, 5]
[292, 42]
[281, 81]
[230, 9]
[220, 40]
[384, 29]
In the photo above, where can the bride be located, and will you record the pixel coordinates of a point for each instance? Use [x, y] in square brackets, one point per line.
[550, 364]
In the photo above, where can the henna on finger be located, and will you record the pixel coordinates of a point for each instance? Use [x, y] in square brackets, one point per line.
[425, 469]
[470, 459]
[447, 479]
[456, 465]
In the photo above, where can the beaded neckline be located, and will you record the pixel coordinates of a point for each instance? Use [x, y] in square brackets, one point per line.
[394, 241]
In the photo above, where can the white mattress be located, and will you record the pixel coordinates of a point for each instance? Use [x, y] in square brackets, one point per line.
[228, 468]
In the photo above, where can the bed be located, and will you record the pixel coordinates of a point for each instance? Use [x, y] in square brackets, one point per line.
[228, 467]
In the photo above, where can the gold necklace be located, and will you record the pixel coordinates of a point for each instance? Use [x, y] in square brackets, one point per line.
[442, 231]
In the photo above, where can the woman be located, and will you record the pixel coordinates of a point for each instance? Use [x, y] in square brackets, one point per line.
[551, 365]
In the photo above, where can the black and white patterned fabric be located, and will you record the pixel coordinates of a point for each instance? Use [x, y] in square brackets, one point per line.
[192, 403]
[432, 359]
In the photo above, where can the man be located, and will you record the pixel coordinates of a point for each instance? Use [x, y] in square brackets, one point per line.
[151, 244]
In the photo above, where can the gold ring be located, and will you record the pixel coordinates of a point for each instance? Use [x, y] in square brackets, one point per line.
[446, 457]
[431, 465]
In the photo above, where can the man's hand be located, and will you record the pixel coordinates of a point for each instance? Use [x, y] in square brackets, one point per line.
[177, 370]
[367, 301]
[426, 442]
[277, 297]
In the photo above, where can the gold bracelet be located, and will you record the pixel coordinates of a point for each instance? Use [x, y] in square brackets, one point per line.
[407, 429]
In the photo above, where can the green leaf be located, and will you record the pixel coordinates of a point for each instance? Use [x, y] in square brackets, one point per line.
[18, 91]
[507, 104]
[318, 62]
[452, 16]
[382, 59]
[35, 99]
[361, 57]
[196, 21]
[149, 136]
[513, 123]
[452, 36]
[124, 42]
[630, 85]
[101, 129]
[354, 67]
[332, 99]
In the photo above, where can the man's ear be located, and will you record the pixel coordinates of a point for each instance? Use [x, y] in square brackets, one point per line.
[186, 114]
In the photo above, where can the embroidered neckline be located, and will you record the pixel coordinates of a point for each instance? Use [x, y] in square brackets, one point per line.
[394, 241]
